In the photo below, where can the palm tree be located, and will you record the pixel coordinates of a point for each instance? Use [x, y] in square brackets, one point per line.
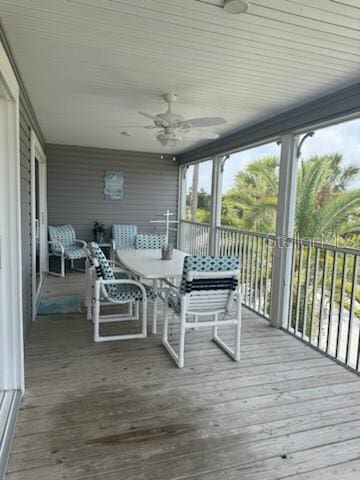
[325, 207]
[251, 203]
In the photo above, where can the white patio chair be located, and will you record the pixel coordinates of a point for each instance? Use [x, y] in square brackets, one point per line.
[64, 244]
[109, 290]
[209, 288]
[123, 237]
[90, 280]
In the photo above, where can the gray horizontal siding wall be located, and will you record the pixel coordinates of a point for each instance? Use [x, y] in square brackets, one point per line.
[76, 185]
[25, 128]
[28, 121]
[324, 109]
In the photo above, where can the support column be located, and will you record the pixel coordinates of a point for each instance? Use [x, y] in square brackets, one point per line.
[215, 209]
[181, 201]
[281, 273]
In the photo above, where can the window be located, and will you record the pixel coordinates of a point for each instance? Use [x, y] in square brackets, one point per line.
[325, 292]
[198, 192]
[328, 185]
[250, 188]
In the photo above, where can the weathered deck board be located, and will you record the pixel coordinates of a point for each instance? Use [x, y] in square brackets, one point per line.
[124, 411]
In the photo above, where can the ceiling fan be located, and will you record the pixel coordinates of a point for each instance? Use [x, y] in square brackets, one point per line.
[172, 126]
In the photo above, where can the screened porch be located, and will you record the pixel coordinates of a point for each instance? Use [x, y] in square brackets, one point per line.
[179, 239]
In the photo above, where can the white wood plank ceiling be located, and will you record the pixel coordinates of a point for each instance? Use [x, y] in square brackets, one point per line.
[92, 64]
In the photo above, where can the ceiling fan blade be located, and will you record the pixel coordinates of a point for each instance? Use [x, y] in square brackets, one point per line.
[205, 121]
[148, 115]
[202, 133]
[159, 122]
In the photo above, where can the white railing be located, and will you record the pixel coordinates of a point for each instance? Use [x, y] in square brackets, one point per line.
[324, 304]
[194, 237]
[255, 251]
[324, 301]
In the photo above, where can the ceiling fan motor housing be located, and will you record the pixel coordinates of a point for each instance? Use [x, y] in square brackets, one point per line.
[170, 97]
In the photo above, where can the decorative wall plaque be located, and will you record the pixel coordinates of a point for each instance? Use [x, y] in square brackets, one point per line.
[113, 185]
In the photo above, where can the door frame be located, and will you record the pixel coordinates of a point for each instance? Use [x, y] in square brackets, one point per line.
[11, 317]
[37, 153]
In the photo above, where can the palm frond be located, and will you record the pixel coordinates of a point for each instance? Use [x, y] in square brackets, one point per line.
[337, 210]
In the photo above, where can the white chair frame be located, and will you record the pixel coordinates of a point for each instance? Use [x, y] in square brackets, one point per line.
[61, 255]
[97, 296]
[200, 303]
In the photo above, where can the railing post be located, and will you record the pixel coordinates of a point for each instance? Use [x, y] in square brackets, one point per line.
[281, 272]
[215, 212]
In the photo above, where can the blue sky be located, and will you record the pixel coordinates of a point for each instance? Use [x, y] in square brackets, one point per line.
[343, 138]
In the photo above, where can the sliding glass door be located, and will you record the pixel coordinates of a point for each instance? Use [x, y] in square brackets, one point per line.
[39, 222]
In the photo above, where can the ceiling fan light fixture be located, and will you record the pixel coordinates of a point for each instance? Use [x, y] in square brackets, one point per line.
[235, 6]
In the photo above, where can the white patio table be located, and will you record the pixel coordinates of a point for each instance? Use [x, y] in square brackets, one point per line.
[147, 265]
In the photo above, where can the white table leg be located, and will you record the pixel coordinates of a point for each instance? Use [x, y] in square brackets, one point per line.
[155, 309]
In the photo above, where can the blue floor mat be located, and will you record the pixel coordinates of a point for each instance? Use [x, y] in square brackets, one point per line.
[59, 305]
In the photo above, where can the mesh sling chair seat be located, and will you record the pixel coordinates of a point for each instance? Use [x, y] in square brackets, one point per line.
[64, 244]
[146, 241]
[109, 290]
[209, 288]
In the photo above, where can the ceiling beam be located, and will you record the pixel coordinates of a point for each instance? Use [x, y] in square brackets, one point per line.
[337, 104]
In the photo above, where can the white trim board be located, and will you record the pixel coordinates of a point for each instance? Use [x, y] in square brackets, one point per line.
[10, 228]
[11, 321]
[37, 152]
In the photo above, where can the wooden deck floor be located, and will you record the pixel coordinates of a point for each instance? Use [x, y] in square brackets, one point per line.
[123, 411]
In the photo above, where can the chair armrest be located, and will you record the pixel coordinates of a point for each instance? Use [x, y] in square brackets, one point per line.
[84, 244]
[101, 283]
[118, 268]
[59, 244]
[123, 272]
[113, 244]
[115, 263]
